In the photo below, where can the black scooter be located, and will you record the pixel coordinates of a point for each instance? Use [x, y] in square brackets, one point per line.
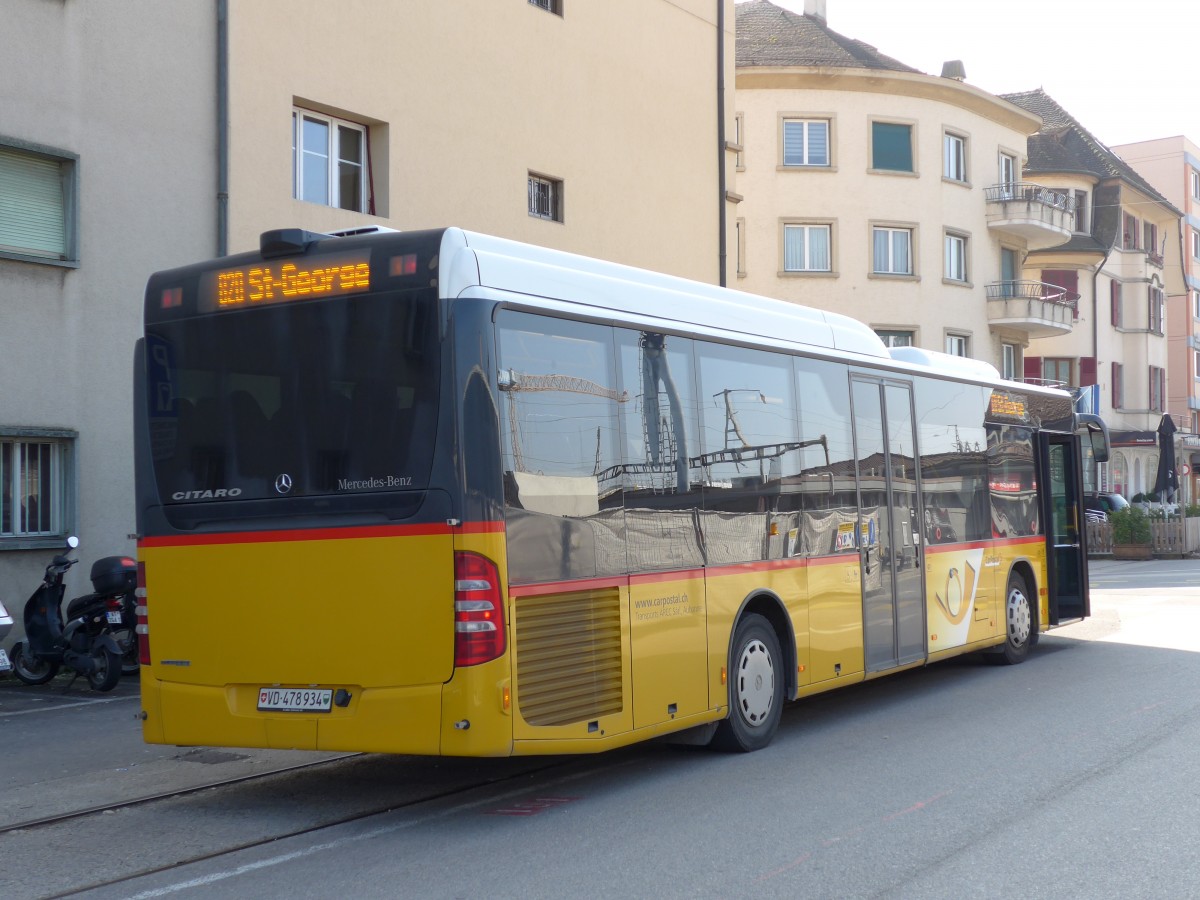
[83, 642]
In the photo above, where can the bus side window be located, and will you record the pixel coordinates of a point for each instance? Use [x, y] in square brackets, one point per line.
[824, 489]
[748, 438]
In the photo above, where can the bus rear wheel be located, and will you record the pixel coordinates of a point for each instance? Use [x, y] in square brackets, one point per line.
[755, 688]
[1019, 624]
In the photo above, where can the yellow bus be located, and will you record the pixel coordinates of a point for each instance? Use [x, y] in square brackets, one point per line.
[437, 492]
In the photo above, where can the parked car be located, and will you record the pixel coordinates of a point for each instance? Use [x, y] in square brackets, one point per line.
[1098, 506]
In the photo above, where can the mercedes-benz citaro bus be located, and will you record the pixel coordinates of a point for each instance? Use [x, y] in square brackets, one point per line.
[437, 492]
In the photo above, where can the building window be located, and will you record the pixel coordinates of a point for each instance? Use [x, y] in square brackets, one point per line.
[806, 248]
[1118, 386]
[329, 161]
[1158, 388]
[896, 338]
[1008, 171]
[891, 147]
[1010, 361]
[805, 142]
[740, 245]
[956, 258]
[1195, 184]
[954, 157]
[554, 6]
[1195, 244]
[1118, 470]
[1156, 302]
[545, 197]
[1083, 216]
[739, 125]
[1056, 371]
[892, 251]
[1196, 364]
[1196, 304]
[956, 344]
[35, 478]
[1129, 240]
[1150, 239]
[37, 204]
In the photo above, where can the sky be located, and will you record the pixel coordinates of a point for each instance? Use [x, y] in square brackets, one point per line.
[1124, 70]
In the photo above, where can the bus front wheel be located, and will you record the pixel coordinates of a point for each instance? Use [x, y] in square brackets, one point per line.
[755, 688]
[1019, 624]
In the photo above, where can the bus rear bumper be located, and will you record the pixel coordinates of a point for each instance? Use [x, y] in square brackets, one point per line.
[375, 720]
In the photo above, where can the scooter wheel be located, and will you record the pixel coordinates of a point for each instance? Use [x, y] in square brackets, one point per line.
[30, 669]
[127, 641]
[108, 669]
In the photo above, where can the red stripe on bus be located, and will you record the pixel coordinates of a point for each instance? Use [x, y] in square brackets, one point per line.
[320, 534]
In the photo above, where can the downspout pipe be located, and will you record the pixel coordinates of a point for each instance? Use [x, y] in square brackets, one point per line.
[222, 127]
[721, 225]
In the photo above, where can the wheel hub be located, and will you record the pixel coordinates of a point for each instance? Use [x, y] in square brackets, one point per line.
[756, 683]
[1018, 617]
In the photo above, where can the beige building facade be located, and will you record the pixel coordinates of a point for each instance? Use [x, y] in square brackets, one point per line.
[106, 173]
[1124, 263]
[150, 135]
[879, 191]
[1172, 165]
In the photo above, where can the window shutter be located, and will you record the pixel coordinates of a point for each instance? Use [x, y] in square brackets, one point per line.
[1116, 385]
[1114, 293]
[1033, 368]
[1087, 370]
[33, 219]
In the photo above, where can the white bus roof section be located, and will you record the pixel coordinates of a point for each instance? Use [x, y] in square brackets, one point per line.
[469, 259]
[956, 366]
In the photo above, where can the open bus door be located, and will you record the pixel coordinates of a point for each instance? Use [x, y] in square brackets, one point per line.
[1066, 535]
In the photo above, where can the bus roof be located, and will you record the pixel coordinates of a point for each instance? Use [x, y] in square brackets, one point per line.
[470, 259]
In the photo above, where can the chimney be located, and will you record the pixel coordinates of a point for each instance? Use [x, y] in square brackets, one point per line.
[815, 9]
[954, 70]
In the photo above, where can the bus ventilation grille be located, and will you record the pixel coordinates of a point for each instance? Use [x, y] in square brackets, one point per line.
[569, 656]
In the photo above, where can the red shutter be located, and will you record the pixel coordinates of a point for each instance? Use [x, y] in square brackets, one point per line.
[1033, 368]
[1114, 292]
[1087, 370]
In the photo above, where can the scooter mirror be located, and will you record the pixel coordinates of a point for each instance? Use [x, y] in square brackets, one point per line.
[72, 542]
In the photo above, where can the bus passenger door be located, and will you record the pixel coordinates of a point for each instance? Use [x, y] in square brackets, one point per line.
[1062, 497]
[889, 534]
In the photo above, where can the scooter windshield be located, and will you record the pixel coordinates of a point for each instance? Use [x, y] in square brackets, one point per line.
[337, 397]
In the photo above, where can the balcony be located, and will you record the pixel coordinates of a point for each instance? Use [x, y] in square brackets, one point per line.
[1037, 308]
[1042, 216]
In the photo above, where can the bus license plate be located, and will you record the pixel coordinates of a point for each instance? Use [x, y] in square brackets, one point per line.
[5, 665]
[295, 700]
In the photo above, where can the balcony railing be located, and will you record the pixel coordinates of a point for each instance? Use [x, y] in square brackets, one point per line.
[1043, 216]
[1035, 307]
[1033, 290]
[1030, 193]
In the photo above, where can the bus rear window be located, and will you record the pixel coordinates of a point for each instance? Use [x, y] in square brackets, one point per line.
[337, 397]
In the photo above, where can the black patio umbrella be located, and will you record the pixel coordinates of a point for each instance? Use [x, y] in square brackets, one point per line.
[1167, 481]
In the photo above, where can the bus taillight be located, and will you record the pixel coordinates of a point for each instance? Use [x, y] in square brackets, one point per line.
[478, 610]
[143, 629]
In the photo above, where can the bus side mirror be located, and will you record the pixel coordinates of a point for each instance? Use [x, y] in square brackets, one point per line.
[1092, 428]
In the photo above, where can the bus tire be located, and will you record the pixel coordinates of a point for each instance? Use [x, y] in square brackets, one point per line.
[1019, 625]
[756, 680]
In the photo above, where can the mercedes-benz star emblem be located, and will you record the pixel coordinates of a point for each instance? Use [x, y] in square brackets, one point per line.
[283, 483]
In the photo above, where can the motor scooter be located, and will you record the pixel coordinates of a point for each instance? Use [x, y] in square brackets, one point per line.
[116, 578]
[6, 624]
[82, 642]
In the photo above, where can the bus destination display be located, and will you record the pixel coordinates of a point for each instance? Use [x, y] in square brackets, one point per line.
[281, 282]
